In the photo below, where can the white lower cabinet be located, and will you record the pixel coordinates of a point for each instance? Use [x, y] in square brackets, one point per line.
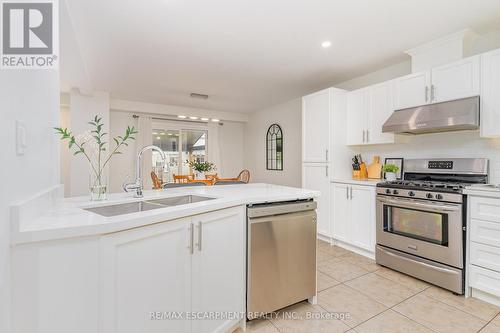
[194, 268]
[353, 211]
[148, 279]
[484, 247]
[146, 271]
[315, 176]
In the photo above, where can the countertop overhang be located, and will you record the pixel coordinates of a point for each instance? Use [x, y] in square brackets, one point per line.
[66, 218]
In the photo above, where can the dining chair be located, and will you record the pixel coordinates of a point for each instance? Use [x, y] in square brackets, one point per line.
[156, 181]
[212, 176]
[182, 178]
[243, 177]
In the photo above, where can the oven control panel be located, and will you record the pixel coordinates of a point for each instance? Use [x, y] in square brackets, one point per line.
[442, 165]
[417, 194]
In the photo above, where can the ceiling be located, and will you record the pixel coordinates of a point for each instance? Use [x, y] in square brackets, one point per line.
[250, 54]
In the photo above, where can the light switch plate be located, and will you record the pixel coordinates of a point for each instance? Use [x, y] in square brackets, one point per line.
[20, 138]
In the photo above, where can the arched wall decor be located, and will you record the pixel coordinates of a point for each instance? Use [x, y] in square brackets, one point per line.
[274, 148]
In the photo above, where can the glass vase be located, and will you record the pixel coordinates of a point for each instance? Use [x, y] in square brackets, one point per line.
[98, 186]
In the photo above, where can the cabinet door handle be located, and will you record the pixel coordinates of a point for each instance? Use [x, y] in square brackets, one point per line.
[347, 192]
[326, 170]
[327, 155]
[198, 244]
[191, 238]
[367, 136]
[363, 136]
[426, 93]
[433, 92]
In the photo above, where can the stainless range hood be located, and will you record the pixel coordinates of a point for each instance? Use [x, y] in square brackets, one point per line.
[456, 115]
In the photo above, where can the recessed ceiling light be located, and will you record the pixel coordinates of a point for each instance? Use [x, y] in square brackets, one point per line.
[204, 119]
[158, 138]
[182, 117]
[326, 44]
[155, 133]
[215, 120]
[193, 118]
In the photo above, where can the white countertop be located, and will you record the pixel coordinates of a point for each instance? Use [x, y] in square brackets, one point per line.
[366, 182]
[484, 190]
[66, 217]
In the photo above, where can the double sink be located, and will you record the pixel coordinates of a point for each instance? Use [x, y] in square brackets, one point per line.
[141, 206]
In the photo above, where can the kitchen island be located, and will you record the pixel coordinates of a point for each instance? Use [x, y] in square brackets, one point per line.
[171, 269]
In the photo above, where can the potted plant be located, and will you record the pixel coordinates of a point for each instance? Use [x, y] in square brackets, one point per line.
[92, 146]
[390, 171]
[200, 168]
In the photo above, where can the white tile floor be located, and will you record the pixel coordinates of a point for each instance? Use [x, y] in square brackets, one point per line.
[375, 299]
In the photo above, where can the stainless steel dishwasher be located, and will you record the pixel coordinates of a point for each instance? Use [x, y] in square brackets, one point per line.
[281, 265]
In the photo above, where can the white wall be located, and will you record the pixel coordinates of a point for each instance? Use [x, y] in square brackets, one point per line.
[288, 116]
[231, 141]
[83, 108]
[31, 96]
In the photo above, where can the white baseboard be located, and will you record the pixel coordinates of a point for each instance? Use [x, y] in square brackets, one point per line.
[347, 246]
[483, 296]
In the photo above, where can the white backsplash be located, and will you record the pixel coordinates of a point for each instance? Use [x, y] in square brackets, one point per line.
[439, 145]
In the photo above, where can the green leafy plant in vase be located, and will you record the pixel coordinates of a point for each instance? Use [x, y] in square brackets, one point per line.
[201, 168]
[390, 171]
[92, 146]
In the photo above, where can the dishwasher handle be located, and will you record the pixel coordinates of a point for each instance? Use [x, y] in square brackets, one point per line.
[311, 214]
[279, 209]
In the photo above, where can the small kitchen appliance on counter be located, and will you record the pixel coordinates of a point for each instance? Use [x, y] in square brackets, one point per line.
[421, 220]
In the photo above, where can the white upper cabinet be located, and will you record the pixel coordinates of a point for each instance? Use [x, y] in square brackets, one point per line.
[316, 127]
[490, 94]
[381, 107]
[457, 80]
[412, 90]
[357, 111]
[367, 111]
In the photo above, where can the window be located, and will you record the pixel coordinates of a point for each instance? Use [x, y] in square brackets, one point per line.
[180, 144]
[274, 148]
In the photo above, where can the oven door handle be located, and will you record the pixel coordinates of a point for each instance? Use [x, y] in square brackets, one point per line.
[410, 203]
[426, 265]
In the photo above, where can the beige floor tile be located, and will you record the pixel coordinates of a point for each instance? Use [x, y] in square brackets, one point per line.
[496, 320]
[491, 328]
[259, 326]
[361, 261]
[322, 244]
[405, 280]
[355, 306]
[341, 270]
[325, 281]
[471, 305]
[304, 317]
[391, 322]
[439, 316]
[322, 256]
[335, 251]
[381, 289]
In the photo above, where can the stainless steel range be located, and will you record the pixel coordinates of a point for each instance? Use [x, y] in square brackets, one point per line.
[421, 219]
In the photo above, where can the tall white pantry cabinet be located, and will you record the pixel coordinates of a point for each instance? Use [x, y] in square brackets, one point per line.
[319, 148]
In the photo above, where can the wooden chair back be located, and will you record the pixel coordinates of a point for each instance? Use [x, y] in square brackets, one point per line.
[156, 181]
[244, 176]
[182, 178]
[212, 177]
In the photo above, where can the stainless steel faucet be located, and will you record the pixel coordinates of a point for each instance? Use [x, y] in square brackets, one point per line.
[137, 185]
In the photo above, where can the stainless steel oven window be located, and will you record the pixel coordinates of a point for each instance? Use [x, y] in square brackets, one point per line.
[431, 227]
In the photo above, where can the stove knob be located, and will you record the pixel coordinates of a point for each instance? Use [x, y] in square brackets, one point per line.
[429, 196]
[411, 194]
[395, 192]
[439, 196]
[388, 191]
